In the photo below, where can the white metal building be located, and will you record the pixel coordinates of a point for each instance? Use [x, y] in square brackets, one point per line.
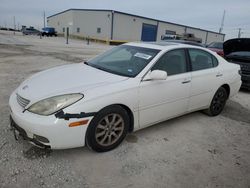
[110, 25]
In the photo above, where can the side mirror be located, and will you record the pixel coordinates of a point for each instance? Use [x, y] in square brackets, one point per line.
[156, 75]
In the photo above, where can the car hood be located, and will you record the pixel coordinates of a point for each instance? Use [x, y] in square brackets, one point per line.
[236, 45]
[74, 78]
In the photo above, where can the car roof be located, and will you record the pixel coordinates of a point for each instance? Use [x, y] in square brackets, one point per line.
[162, 45]
[184, 42]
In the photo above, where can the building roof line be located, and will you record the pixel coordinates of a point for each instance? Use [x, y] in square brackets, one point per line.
[134, 15]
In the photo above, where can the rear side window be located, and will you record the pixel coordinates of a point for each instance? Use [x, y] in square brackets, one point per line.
[173, 62]
[215, 61]
[201, 60]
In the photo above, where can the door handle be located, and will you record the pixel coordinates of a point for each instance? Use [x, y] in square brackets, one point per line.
[186, 81]
[219, 75]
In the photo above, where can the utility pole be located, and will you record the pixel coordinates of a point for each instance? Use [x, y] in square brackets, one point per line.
[222, 22]
[43, 18]
[239, 33]
[14, 25]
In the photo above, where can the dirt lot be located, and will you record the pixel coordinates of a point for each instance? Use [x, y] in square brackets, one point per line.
[190, 151]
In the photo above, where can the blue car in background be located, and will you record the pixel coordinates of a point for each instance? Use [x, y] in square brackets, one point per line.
[49, 31]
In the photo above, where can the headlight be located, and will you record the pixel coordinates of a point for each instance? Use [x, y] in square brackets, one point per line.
[51, 105]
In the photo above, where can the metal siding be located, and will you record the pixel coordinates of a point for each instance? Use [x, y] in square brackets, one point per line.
[126, 27]
[129, 28]
[63, 19]
[162, 27]
[198, 33]
[212, 37]
[89, 21]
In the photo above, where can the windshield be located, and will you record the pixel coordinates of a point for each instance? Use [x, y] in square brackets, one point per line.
[124, 60]
[218, 45]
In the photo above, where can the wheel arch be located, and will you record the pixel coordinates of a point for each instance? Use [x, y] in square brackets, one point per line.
[131, 117]
[227, 88]
[130, 114]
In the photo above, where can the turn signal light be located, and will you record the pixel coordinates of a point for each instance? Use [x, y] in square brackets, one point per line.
[78, 123]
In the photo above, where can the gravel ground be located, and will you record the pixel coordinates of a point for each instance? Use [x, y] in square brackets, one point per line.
[190, 151]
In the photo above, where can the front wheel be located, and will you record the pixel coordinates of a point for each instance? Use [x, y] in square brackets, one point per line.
[218, 102]
[107, 129]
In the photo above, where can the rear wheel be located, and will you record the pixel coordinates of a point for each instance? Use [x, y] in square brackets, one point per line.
[108, 129]
[218, 102]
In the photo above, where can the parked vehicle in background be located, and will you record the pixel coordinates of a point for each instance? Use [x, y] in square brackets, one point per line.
[216, 47]
[185, 42]
[190, 37]
[31, 31]
[238, 51]
[128, 88]
[170, 37]
[49, 31]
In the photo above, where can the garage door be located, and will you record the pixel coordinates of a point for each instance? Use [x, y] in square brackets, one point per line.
[149, 32]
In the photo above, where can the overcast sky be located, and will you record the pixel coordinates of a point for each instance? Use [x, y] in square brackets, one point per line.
[196, 13]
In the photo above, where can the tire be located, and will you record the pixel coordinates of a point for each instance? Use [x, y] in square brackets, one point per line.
[218, 102]
[107, 129]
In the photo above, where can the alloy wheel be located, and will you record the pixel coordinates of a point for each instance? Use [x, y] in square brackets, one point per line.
[109, 129]
[219, 101]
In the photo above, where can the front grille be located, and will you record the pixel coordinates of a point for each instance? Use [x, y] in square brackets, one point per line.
[245, 72]
[245, 67]
[22, 101]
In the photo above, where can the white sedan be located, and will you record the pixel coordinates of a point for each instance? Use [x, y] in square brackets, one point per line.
[130, 87]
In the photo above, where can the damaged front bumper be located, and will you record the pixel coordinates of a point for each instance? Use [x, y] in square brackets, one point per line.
[19, 132]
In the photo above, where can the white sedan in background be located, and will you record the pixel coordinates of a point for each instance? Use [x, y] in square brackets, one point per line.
[130, 87]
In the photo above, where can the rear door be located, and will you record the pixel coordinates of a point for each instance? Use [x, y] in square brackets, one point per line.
[206, 78]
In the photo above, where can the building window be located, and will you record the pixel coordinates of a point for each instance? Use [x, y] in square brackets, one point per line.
[99, 30]
[169, 32]
[58, 23]
[78, 30]
[64, 29]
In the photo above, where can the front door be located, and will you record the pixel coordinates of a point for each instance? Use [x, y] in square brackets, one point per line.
[160, 100]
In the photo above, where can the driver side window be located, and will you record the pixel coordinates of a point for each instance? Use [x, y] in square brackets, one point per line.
[173, 62]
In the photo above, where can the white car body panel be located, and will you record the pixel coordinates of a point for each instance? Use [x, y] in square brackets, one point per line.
[166, 97]
[149, 101]
[74, 78]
